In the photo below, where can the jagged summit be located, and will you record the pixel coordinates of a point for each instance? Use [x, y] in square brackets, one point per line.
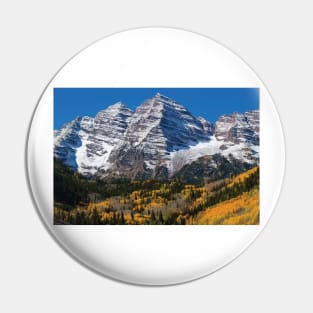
[166, 101]
[115, 109]
[238, 127]
[117, 106]
[155, 140]
[162, 97]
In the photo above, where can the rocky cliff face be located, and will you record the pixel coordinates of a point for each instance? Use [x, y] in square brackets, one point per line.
[66, 142]
[158, 127]
[86, 144]
[238, 128]
[155, 141]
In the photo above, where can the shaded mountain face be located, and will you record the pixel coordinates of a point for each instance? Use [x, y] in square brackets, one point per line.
[210, 168]
[156, 141]
[66, 142]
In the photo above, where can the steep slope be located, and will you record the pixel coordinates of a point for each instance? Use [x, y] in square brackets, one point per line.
[241, 205]
[158, 127]
[66, 142]
[108, 129]
[241, 210]
[85, 144]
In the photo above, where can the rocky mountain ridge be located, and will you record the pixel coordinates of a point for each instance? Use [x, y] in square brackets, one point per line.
[157, 140]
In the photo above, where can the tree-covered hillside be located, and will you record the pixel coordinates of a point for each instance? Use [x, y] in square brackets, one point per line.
[78, 200]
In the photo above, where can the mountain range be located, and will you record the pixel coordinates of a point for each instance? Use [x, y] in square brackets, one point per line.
[161, 139]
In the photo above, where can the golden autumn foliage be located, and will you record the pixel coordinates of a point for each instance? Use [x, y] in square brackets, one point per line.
[242, 210]
[241, 177]
[230, 201]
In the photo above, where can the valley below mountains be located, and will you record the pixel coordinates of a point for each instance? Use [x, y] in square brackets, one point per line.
[156, 165]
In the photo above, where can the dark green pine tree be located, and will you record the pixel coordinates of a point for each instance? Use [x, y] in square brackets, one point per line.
[83, 218]
[152, 217]
[161, 220]
[78, 218]
[114, 218]
[94, 217]
[122, 218]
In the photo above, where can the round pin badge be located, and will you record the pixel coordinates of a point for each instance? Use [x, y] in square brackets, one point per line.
[155, 156]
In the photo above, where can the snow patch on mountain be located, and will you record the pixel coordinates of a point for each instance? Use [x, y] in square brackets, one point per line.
[185, 156]
[242, 151]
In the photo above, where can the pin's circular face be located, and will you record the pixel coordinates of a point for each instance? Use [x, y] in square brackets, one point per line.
[155, 156]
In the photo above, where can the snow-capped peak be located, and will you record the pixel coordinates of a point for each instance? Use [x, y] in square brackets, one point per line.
[117, 106]
[167, 102]
[162, 97]
[115, 109]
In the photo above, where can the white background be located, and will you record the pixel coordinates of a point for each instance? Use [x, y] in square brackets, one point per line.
[275, 273]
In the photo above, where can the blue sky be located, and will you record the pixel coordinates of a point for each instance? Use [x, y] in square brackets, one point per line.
[207, 102]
